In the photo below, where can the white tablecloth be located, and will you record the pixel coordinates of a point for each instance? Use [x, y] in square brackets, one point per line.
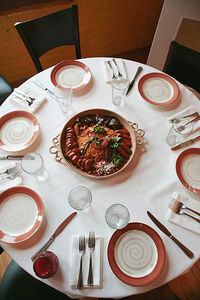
[147, 184]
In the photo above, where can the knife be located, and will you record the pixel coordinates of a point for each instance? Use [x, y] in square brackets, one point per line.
[38, 83]
[56, 233]
[186, 143]
[132, 82]
[166, 231]
[11, 157]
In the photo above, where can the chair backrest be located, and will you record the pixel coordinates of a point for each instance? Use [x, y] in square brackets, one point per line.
[5, 89]
[48, 32]
[183, 64]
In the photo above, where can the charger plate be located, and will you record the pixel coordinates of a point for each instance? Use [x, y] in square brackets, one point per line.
[18, 130]
[158, 89]
[21, 214]
[136, 254]
[188, 169]
[71, 72]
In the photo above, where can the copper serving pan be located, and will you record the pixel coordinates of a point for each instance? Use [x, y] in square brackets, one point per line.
[135, 134]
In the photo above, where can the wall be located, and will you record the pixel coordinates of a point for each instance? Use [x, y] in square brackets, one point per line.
[172, 15]
[107, 27]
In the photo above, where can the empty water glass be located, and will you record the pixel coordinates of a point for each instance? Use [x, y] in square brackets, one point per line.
[33, 164]
[80, 197]
[117, 216]
[63, 93]
[178, 131]
[119, 88]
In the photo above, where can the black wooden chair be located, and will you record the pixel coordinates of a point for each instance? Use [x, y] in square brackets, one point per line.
[17, 284]
[48, 32]
[183, 64]
[5, 89]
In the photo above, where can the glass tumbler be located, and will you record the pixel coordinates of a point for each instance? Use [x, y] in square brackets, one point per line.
[63, 93]
[80, 198]
[179, 130]
[119, 88]
[117, 216]
[33, 164]
[45, 265]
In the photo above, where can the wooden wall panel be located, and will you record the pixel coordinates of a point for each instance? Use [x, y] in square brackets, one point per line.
[107, 27]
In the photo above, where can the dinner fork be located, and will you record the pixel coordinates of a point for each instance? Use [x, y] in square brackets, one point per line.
[119, 74]
[91, 246]
[113, 73]
[82, 251]
[176, 208]
[181, 128]
[25, 96]
[10, 173]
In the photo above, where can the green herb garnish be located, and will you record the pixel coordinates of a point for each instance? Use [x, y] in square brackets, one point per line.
[99, 129]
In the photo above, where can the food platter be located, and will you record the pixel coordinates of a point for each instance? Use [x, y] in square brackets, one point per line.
[132, 136]
[18, 130]
[73, 73]
[136, 254]
[187, 169]
[21, 214]
[158, 89]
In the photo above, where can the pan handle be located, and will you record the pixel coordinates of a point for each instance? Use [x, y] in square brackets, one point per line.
[138, 132]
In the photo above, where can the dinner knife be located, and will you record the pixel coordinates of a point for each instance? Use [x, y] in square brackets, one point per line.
[132, 82]
[166, 231]
[186, 143]
[56, 233]
[12, 157]
[38, 83]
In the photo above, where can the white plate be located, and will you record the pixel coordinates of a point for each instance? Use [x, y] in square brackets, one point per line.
[73, 73]
[18, 130]
[21, 213]
[158, 89]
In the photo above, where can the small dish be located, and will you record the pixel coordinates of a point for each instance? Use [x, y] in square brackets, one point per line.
[158, 89]
[21, 214]
[71, 72]
[18, 130]
[187, 169]
[136, 254]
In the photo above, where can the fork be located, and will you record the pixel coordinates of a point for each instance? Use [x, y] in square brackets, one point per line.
[181, 128]
[195, 114]
[119, 74]
[82, 251]
[26, 96]
[113, 76]
[9, 173]
[176, 208]
[91, 246]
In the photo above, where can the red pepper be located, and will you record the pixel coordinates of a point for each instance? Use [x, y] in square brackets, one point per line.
[103, 142]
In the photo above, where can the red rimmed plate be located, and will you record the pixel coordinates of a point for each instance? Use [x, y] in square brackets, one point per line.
[18, 130]
[21, 214]
[158, 89]
[188, 169]
[136, 254]
[72, 72]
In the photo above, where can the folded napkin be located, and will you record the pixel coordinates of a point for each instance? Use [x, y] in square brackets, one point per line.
[96, 261]
[19, 99]
[7, 182]
[108, 72]
[182, 220]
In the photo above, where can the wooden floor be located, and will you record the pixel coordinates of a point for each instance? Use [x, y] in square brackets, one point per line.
[185, 287]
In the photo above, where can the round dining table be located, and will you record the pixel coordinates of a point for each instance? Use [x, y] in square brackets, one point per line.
[146, 184]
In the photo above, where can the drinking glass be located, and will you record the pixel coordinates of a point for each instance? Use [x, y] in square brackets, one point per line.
[117, 216]
[179, 130]
[33, 164]
[119, 88]
[63, 93]
[45, 265]
[80, 198]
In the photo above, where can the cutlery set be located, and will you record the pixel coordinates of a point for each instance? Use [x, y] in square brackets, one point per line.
[24, 96]
[179, 208]
[82, 249]
[10, 173]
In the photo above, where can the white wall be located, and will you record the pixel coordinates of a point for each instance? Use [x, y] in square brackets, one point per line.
[172, 13]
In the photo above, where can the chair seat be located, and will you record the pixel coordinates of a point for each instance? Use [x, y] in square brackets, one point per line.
[17, 284]
[5, 89]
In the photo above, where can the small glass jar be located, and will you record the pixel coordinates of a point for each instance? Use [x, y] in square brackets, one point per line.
[45, 265]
